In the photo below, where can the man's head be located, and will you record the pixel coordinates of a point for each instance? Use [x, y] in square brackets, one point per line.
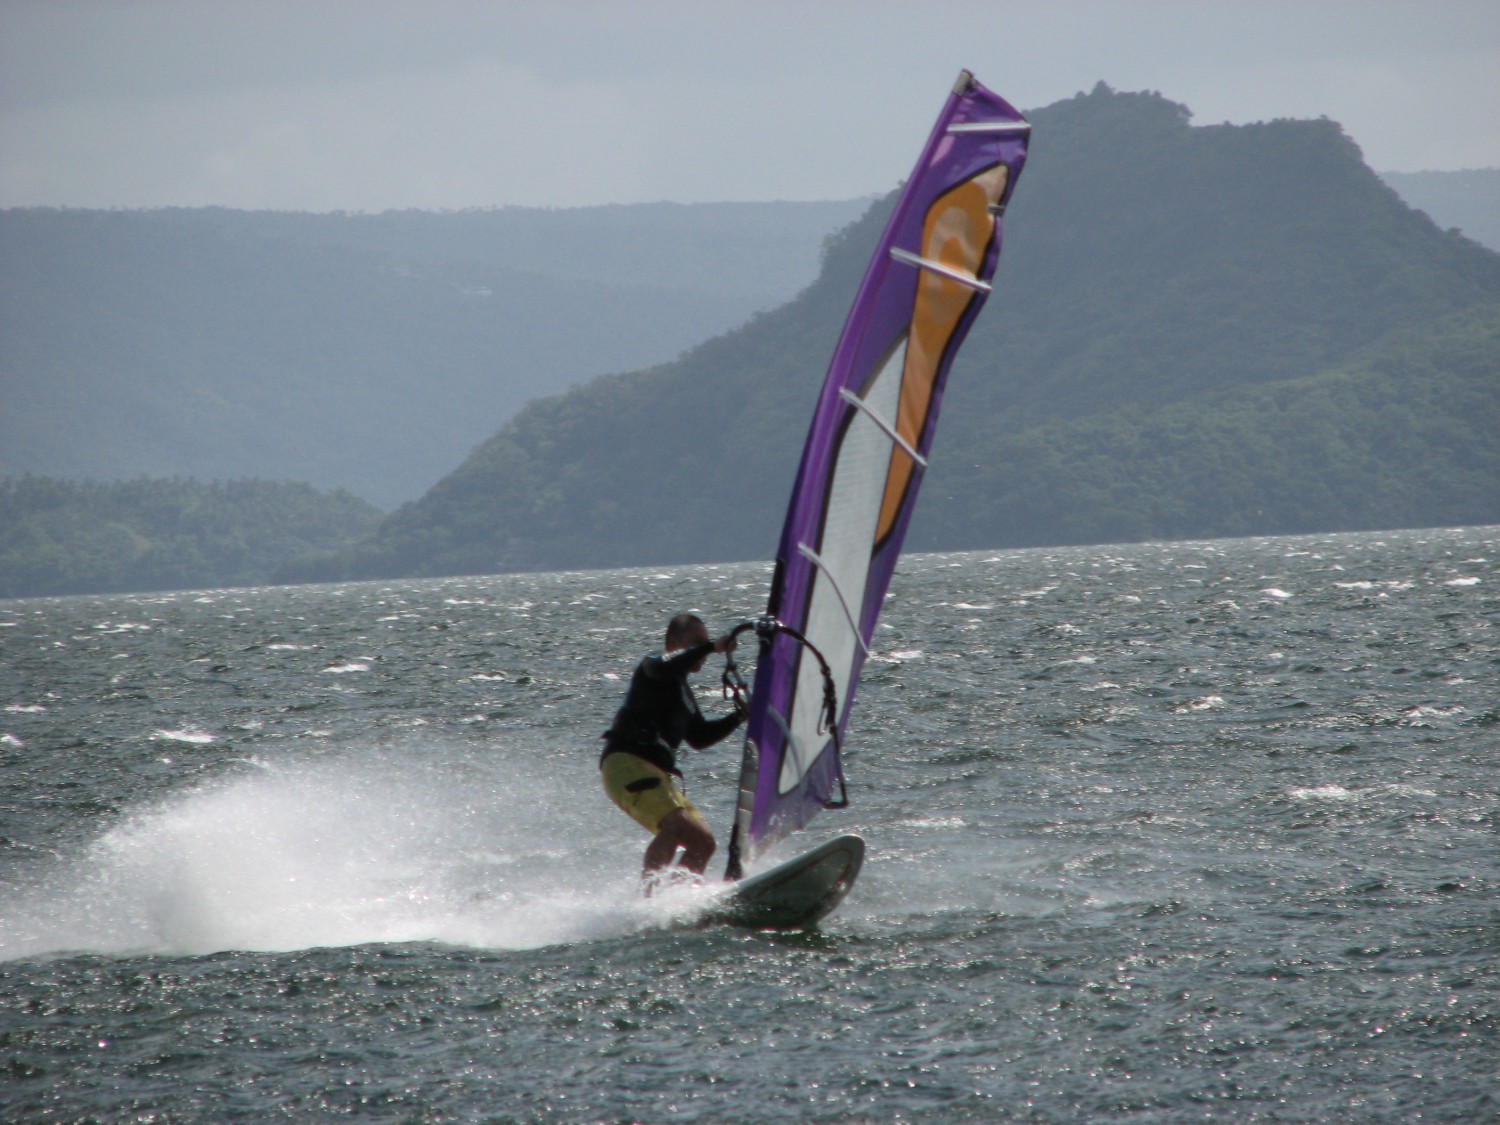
[684, 631]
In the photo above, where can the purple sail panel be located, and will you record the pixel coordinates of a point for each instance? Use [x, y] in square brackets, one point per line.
[865, 453]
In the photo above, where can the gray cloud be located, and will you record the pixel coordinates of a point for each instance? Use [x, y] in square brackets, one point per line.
[337, 104]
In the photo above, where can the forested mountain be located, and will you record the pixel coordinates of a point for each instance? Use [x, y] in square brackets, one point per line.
[85, 537]
[1468, 200]
[369, 352]
[1195, 331]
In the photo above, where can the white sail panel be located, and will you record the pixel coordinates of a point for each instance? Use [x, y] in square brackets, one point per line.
[856, 491]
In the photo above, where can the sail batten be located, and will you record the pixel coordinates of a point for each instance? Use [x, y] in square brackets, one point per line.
[990, 127]
[928, 264]
[867, 448]
[890, 431]
[813, 557]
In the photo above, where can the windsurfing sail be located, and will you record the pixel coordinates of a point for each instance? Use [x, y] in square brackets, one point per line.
[864, 458]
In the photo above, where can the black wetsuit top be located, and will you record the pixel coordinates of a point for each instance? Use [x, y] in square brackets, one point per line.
[660, 713]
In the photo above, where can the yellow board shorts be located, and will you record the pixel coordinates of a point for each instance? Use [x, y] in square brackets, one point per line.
[646, 792]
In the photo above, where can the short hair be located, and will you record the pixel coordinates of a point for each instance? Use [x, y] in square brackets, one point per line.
[680, 626]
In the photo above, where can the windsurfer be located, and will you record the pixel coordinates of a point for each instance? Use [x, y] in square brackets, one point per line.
[639, 762]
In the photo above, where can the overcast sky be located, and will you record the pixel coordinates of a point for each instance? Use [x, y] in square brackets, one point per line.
[365, 105]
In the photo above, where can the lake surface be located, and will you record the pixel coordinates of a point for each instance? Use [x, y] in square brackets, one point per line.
[1168, 832]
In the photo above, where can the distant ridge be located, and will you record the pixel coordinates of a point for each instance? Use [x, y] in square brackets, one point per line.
[1196, 332]
[368, 352]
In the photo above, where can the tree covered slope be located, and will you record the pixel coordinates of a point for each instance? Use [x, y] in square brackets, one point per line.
[1195, 331]
[87, 537]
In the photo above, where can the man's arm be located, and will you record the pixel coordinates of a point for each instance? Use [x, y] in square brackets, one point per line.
[703, 733]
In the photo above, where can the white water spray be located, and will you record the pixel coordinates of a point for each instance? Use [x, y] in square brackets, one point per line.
[391, 848]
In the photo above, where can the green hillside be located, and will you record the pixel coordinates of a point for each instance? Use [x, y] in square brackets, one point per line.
[84, 537]
[1195, 331]
[1402, 436]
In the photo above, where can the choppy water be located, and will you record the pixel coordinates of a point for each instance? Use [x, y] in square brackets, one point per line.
[1173, 832]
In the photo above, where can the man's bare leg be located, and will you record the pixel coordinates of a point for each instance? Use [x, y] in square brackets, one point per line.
[679, 829]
